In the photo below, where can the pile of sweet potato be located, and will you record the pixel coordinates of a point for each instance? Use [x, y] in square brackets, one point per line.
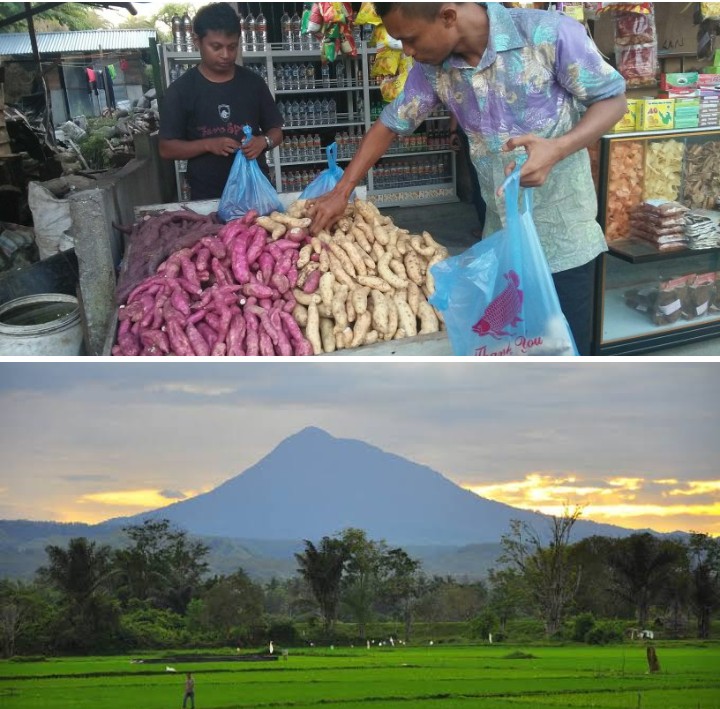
[262, 286]
[228, 295]
[366, 282]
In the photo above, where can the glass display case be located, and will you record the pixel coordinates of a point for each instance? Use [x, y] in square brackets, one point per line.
[659, 284]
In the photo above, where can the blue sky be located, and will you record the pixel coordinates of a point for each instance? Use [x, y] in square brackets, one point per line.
[635, 444]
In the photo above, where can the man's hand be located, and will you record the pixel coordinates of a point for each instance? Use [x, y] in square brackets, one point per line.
[254, 148]
[224, 147]
[326, 210]
[543, 155]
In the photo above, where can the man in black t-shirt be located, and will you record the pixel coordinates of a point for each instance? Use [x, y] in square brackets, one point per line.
[203, 113]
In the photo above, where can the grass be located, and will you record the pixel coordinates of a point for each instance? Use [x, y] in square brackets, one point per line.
[429, 677]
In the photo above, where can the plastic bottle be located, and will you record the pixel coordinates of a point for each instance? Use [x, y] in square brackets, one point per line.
[295, 112]
[286, 30]
[310, 75]
[302, 113]
[281, 108]
[294, 149]
[261, 32]
[302, 148]
[325, 112]
[302, 69]
[295, 73]
[177, 33]
[249, 34]
[332, 111]
[187, 32]
[340, 73]
[287, 77]
[278, 77]
[317, 147]
[311, 113]
[296, 23]
[317, 111]
[325, 72]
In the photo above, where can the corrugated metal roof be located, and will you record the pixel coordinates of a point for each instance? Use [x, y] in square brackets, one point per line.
[76, 41]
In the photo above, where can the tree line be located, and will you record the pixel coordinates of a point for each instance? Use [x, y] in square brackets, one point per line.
[156, 592]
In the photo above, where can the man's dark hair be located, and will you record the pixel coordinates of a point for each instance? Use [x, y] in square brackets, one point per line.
[216, 17]
[423, 10]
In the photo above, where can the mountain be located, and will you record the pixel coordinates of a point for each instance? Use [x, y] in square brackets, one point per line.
[313, 484]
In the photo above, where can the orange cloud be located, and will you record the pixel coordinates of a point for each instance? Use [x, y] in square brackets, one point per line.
[626, 501]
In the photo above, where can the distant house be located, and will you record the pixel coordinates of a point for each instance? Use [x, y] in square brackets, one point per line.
[85, 71]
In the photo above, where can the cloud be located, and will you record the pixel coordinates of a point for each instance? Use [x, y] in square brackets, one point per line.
[139, 499]
[173, 494]
[192, 389]
[89, 477]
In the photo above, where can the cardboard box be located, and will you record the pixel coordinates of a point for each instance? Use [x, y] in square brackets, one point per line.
[656, 114]
[709, 82]
[682, 80]
[628, 123]
[679, 93]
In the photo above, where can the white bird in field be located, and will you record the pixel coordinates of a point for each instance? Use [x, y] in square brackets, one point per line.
[272, 649]
[170, 669]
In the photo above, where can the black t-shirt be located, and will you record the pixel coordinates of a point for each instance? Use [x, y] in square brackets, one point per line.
[194, 108]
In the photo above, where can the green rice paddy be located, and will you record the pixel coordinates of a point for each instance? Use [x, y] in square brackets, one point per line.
[434, 677]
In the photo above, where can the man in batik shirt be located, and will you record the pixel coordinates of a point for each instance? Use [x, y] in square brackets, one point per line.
[519, 82]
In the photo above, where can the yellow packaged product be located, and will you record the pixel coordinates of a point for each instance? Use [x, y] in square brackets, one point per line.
[628, 123]
[656, 114]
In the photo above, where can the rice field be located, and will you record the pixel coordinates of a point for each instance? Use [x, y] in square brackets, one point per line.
[434, 677]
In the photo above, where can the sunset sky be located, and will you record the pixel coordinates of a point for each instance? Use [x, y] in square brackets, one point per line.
[634, 444]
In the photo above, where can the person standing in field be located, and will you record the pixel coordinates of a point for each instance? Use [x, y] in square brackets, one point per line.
[189, 691]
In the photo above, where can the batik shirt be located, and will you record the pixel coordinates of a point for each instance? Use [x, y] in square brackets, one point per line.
[539, 73]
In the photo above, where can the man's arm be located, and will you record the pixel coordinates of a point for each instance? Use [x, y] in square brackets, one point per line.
[188, 149]
[544, 154]
[329, 208]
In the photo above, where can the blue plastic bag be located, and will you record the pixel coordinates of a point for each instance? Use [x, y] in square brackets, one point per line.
[498, 298]
[327, 180]
[247, 189]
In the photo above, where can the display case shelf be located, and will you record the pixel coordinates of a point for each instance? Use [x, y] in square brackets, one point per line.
[647, 299]
[638, 251]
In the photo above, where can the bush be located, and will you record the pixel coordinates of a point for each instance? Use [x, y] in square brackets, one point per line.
[284, 632]
[482, 625]
[583, 624]
[604, 633]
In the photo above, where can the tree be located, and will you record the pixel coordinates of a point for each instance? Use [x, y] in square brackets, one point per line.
[68, 16]
[401, 586]
[363, 570]
[81, 574]
[507, 595]
[546, 569]
[640, 565]
[704, 553]
[323, 568]
[162, 567]
[232, 603]
[26, 615]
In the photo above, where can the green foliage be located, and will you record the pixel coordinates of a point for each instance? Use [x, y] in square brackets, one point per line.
[482, 625]
[605, 632]
[153, 627]
[582, 625]
[67, 16]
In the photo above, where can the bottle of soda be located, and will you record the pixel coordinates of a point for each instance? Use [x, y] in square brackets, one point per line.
[177, 33]
[286, 30]
[296, 24]
[249, 34]
[261, 33]
[187, 33]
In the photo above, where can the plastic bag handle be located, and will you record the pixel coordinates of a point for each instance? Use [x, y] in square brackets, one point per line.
[247, 130]
[331, 152]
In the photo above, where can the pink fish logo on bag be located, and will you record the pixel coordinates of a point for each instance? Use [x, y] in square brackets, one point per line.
[504, 311]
